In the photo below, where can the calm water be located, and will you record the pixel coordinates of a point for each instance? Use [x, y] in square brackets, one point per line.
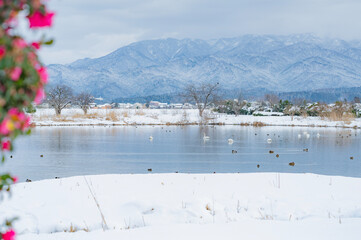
[70, 151]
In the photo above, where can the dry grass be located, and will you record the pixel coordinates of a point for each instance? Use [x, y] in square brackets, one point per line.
[125, 114]
[72, 229]
[112, 116]
[346, 117]
[258, 124]
[61, 119]
[208, 208]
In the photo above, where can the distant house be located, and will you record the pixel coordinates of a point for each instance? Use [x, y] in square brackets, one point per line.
[176, 105]
[125, 105]
[157, 105]
[154, 104]
[163, 105]
[187, 106]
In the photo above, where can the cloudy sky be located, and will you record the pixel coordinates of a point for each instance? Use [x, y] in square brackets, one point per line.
[93, 28]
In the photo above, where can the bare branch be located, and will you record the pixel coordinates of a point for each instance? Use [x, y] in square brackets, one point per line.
[202, 95]
[59, 97]
[83, 100]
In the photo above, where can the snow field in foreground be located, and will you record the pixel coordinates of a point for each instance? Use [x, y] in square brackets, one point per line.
[184, 206]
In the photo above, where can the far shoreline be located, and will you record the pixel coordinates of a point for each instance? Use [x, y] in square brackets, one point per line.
[177, 117]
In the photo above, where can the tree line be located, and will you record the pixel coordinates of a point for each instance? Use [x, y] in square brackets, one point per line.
[61, 96]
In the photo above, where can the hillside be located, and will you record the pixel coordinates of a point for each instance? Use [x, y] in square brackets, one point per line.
[272, 63]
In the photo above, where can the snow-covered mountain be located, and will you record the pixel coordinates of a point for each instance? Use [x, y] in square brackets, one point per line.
[276, 63]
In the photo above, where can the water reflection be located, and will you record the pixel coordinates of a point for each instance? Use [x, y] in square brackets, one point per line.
[70, 151]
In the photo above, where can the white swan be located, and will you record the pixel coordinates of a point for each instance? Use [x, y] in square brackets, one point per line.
[205, 137]
[230, 141]
[151, 138]
[269, 140]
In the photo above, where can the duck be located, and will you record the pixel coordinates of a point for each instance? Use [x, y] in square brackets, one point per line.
[151, 138]
[205, 137]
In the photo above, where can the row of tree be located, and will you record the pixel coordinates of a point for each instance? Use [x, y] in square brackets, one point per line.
[60, 96]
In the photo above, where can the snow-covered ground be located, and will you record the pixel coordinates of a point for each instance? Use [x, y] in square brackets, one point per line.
[188, 206]
[46, 117]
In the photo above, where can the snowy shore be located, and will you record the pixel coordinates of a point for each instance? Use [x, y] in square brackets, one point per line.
[188, 206]
[75, 117]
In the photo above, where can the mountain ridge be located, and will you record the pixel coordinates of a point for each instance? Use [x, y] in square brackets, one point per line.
[288, 63]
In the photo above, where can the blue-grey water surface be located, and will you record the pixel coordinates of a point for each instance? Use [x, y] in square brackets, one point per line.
[71, 151]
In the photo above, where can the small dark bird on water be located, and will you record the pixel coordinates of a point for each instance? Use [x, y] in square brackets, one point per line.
[234, 151]
[214, 172]
[305, 150]
[41, 156]
[149, 169]
[11, 156]
[257, 165]
[277, 155]
[57, 177]
[28, 180]
[351, 158]
[270, 151]
[176, 171]
[291, 164]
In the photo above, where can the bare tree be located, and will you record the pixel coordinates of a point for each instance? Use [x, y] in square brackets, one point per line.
[203, 95]
[83, 100]
[59, 97]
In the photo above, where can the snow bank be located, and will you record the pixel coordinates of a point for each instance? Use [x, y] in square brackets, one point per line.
[182, 206]
[46, 117]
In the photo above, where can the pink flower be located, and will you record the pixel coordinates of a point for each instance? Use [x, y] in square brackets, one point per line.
[9, 235]
[26, 123]
[40, 95]
[19, 43]
[38, 20]
[6, 126]
[2, 51]
[36, 45]
[43, 74]
[15, 73]
[5, 145]
[15, 179]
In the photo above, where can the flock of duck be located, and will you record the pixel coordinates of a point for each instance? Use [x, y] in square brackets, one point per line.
[269, 140]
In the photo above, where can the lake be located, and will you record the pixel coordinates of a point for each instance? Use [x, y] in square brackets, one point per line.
[71, 151]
